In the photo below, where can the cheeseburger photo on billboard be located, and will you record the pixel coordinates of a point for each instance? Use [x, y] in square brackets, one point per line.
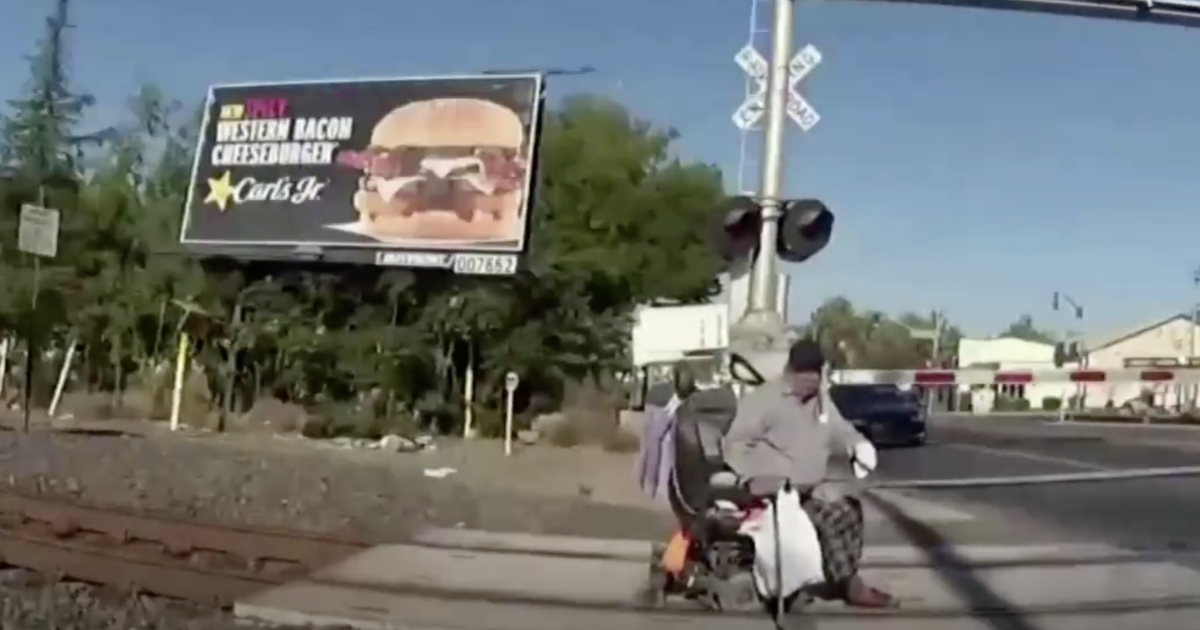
[448, 169]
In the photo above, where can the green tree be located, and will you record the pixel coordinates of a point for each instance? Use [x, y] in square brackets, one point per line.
[38, 141]
[873, 340]
[1024, 328]
[947, 346]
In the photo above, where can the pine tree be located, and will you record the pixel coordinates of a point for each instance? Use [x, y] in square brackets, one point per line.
[38, 140]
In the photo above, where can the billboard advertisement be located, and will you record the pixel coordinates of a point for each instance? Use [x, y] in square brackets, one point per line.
[416, 172]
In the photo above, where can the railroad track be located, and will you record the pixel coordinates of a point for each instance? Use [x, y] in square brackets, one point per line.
[204, 563]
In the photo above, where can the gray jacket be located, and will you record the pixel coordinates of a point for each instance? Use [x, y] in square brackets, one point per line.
[776, 435]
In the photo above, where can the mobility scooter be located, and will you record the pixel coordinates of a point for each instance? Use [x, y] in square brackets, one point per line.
[710, 559]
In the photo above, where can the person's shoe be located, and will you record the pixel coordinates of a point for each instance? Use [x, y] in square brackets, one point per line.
[859, 595]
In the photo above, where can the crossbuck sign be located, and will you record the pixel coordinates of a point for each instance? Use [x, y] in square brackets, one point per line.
[756, 67]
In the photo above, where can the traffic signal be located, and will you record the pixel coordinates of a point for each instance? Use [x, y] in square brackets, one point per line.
[1067, 352]
[805, 227]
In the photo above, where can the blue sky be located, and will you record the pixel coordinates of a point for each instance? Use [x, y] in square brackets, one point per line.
[978, 161]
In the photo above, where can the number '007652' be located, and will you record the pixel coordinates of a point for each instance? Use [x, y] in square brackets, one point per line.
[485, 264]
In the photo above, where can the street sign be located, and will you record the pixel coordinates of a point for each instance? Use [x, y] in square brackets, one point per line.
[803, 63]
[756, 68]
[752, 63]
[37, 232]
[511, 380]
[747, 116]
[801, 112]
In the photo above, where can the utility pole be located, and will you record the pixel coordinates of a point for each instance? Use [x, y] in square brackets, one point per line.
[1072, 347]
[1194, 392]
[760, 335]
[934, 337]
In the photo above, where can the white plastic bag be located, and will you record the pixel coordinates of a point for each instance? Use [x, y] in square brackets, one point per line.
[864, 459]
[798, 547]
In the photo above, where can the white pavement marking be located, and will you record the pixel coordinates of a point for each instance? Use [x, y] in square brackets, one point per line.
[1165, 426]
[918, 509]
[1033, 457]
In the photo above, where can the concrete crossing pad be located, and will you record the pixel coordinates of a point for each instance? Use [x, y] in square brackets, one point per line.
[403, 586]
[330, 605]
[594, 581]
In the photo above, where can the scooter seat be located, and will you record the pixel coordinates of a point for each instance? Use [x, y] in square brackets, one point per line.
[723, 479]
[725, 486]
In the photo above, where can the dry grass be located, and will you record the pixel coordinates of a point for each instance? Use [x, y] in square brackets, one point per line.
[621, 441]
[148, 397]
[591, 427]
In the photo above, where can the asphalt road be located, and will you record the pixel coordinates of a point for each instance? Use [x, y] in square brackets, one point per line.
[1146, 513]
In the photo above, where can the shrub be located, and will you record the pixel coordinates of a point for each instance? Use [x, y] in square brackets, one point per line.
[620, 441]
[1005, 403]
[565, 434]
[1051, 403]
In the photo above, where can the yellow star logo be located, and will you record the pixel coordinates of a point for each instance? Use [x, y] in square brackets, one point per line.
[220, 190]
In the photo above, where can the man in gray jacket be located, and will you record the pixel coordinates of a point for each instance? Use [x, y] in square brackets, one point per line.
[787, 429]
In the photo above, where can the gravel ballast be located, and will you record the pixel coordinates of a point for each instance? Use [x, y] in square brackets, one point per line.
[295, 484]
[28, 604]
[298, 485]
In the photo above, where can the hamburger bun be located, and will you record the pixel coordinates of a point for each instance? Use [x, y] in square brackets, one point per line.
[446, 124]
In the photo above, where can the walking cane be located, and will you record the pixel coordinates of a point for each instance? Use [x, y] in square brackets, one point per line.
[779, 607]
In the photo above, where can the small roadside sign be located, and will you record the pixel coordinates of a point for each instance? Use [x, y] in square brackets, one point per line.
[37, 233]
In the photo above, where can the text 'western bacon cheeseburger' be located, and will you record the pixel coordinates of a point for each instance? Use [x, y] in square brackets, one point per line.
[446, 169]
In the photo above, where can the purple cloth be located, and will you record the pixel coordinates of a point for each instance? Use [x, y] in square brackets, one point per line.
[656, 457]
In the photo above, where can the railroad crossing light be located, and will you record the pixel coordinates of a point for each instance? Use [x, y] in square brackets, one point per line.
[736, 227]
[804, 229]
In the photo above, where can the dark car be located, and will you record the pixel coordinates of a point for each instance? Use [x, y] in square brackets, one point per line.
[885, 414]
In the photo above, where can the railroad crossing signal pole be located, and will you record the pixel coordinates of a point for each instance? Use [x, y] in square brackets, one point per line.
[760, 335]
[763, 281]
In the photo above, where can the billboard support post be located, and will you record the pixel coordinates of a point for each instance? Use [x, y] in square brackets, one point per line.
[227, 405]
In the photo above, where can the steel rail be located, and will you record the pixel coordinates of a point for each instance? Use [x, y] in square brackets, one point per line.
[256, 544]
[1034, 480]
[204, 563]
[88, 563]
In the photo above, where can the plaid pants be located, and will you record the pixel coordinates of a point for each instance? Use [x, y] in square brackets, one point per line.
[839, 526]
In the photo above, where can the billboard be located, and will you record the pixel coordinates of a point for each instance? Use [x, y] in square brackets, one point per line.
[414, 172]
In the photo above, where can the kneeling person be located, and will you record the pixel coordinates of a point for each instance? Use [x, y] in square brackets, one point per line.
[787, 429]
